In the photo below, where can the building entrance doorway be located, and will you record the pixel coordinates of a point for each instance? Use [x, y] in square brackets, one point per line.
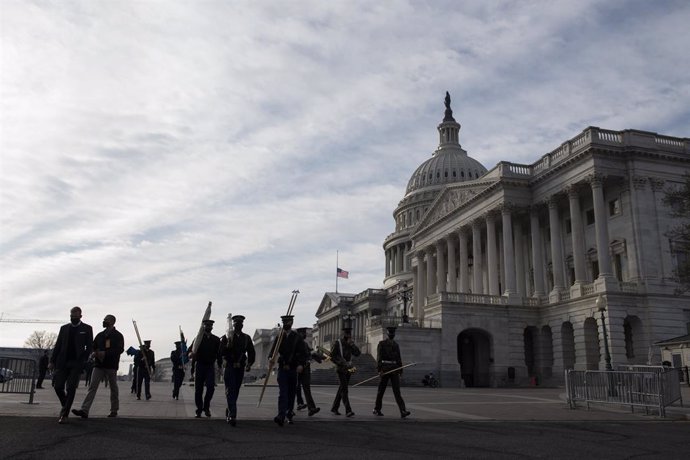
[474, 356]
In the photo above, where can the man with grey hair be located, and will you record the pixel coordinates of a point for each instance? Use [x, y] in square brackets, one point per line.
[108, 345]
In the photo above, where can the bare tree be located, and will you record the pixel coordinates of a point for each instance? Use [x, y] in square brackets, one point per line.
[41, 340]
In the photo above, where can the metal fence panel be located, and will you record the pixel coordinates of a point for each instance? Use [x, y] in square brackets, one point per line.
[652, 388]
[18, 375]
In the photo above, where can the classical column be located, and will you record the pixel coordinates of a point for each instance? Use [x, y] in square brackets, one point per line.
[401, 256]
[420, 286]
[556, 253]
[537, 257]
[464, 271]
[519, 260]
[477, 286]
[491, 254]
[508, 250]
[430, 284]
[440, 267]
[577, 232]
[388, 263]
[452, 272]
[601, 226]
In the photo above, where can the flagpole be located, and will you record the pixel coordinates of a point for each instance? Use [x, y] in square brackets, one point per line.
[336, 271]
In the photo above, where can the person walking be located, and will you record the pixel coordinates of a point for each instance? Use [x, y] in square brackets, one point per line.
[304, 378]
[178, 361]
[291, 360]
[72, 349]
[143, 371]
[341, 355]
[388, 359]
[108, 345]
[205, 359]
[42, 369]
[238, 355]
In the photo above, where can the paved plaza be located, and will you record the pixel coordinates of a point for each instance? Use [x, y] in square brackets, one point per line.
[445, 423]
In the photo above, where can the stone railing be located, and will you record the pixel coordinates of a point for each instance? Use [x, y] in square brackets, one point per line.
[593, 136]
[588, 289]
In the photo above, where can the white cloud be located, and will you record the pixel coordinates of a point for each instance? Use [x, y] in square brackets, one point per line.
[155, 155]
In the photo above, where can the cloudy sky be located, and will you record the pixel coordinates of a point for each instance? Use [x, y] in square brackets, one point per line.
[155, 155]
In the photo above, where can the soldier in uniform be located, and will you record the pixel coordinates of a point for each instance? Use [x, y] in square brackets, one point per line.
[238, 355]
[341, 354]
[177, 368]
[205, 358]
[389, 358]
[304, 378]
[142, 371]
[291, 360]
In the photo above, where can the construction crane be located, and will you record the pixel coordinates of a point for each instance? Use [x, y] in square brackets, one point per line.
[20, 320]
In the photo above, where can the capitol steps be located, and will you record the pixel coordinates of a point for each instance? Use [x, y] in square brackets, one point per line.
[325, 374]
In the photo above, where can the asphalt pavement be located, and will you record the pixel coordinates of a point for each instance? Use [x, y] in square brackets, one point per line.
[445, 423]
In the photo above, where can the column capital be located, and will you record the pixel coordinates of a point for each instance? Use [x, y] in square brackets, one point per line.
[656, 184]
[553, 202]
[573, 190]
[596, 180]
[639, 182]
[507, 207]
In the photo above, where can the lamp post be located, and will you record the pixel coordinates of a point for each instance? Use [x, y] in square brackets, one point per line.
[601, 306]
[404, 295]
[347, 319]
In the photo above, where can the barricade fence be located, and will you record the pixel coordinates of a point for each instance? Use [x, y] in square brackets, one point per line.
[654, 388]
[18, 375]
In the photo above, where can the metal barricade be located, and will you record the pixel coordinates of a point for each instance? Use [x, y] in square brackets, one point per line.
[655, 388]
[18, 375]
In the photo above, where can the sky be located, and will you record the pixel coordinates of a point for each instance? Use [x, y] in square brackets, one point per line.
[158, 155]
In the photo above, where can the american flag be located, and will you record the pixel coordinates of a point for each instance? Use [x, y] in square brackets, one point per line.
[342, 273]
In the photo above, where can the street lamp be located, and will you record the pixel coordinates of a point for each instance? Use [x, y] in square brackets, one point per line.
[347, 319]
[404, 295]
[601, 306]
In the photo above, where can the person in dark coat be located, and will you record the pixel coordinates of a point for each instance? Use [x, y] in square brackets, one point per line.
[341, 354]
[143, 372]
[304, 378]
[291, 361]
[178, 361]
[108, 345]
[42, 369]
[388, 352]
[238, 355]
[72, 350]
[205, 360]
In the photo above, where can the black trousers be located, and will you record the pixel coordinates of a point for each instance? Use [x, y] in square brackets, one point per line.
[342, 394]
[304, 382]
[204, 377]
[143, 375]
[41, 377]
[69, 377]
[178, 378]
[394, 378]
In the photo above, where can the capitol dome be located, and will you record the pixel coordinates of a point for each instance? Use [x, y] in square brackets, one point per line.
[449, 163]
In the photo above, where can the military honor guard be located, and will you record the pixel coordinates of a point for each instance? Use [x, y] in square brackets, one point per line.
[341, 355]
[178, 361]
[238, 355]
[143, 375]
[389, 364]
[304, 378]
[205, 358]
[291, 360]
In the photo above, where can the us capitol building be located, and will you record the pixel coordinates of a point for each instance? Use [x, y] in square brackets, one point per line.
[502, 277]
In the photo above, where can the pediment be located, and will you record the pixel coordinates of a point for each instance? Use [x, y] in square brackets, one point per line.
[449, 201]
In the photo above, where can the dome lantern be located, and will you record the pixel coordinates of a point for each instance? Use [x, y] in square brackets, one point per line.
[449, 129]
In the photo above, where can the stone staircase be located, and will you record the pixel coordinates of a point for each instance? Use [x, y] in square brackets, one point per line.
[325, 374]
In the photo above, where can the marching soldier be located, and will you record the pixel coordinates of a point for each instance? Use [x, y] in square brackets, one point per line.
[239, 355]
[341, 354]
[142, 371]
[205, 373]
[389, 358]
[304, 378]
[291, 360]
[177, 368]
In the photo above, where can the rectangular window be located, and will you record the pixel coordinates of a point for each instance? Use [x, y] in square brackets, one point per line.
[568, 227]
[615, 207]
[589, 216]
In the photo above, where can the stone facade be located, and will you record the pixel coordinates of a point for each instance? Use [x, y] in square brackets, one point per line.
[506, 265]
